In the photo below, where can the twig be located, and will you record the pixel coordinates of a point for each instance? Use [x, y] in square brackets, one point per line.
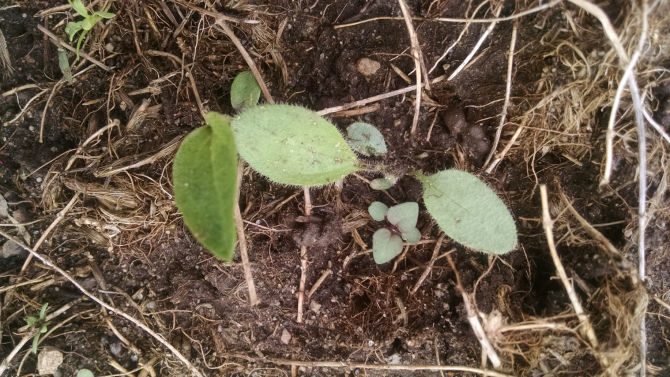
[116, 311]
[373, 98]
[5, 363]
[253, 298]
[429, 267]
[548, 225]
[510, 64]
[58, 219]
[479, 43]
[609, 138]
[474, 321]
[341, 364]
[416, 52]
[67, 46]
[508, 18]
[316, 285]
[250, 62]
[25, 108]
[437, 355]
[460, 20]
[303, 259]
[656, 126]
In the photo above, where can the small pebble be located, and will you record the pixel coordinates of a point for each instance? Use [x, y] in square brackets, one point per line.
[454, 119]
[367, 67]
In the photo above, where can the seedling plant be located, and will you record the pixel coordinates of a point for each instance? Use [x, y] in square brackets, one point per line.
[38, 323]
[87, 23]
[294, 146]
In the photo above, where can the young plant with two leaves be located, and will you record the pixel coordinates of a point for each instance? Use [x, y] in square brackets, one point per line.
[295, 146]
[85, 25]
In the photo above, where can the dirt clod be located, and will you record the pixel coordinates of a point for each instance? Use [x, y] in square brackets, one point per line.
[367, 67]
[49, 359]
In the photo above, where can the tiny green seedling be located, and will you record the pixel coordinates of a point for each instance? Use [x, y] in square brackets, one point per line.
[387, 242]
[64, 65]
[85, 373]
[40, 323]
[365, 139]
[87, 23]
[245, 91]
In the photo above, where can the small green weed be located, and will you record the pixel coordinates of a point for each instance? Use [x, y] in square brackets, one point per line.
[40, 323]
[387, 242]
[87, 23]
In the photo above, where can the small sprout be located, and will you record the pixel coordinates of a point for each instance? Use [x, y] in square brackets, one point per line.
[87, 23]
[387, 242]
[38, 322]
[244, 92]
[366, 139]
[85, 373]
[381, 184]
[64, 65]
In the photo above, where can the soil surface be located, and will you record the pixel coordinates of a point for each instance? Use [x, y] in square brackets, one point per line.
[125, 241]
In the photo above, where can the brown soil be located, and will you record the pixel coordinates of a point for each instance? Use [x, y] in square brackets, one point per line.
[200, 304]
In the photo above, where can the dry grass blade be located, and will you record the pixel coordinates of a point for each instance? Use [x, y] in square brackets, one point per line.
[5, 60]
[508, 90]
[241, 239]
[61, 43]
[416, 52]
[548, 224]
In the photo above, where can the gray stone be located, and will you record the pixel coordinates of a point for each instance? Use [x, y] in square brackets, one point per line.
[11, 248]
[367, 67]
[285, 336]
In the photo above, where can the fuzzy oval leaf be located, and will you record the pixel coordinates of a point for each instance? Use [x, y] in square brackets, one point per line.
[412, 236]
[404, 216]
[468, 211]
[385, 246]
[378, 210]
[381, 184]
[365, 139]
[245, 91]
[85, 373]
[205, 174]
[293, 145]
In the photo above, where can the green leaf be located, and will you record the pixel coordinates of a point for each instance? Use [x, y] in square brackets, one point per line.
[468, 211]
[245, 92]
[36, 340]
[85, 373]
[293, 145]
[366, 139]
[72, 28]
[64, 65]
[412, 236]
[385, 246]
[81, 38]
[404, 216]
[43, 329]
[89, 22]
[43, 311]
[205, 175]
[31, 320]
[79, 7]
[381, 184]
[102, 14]
[378, 210]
